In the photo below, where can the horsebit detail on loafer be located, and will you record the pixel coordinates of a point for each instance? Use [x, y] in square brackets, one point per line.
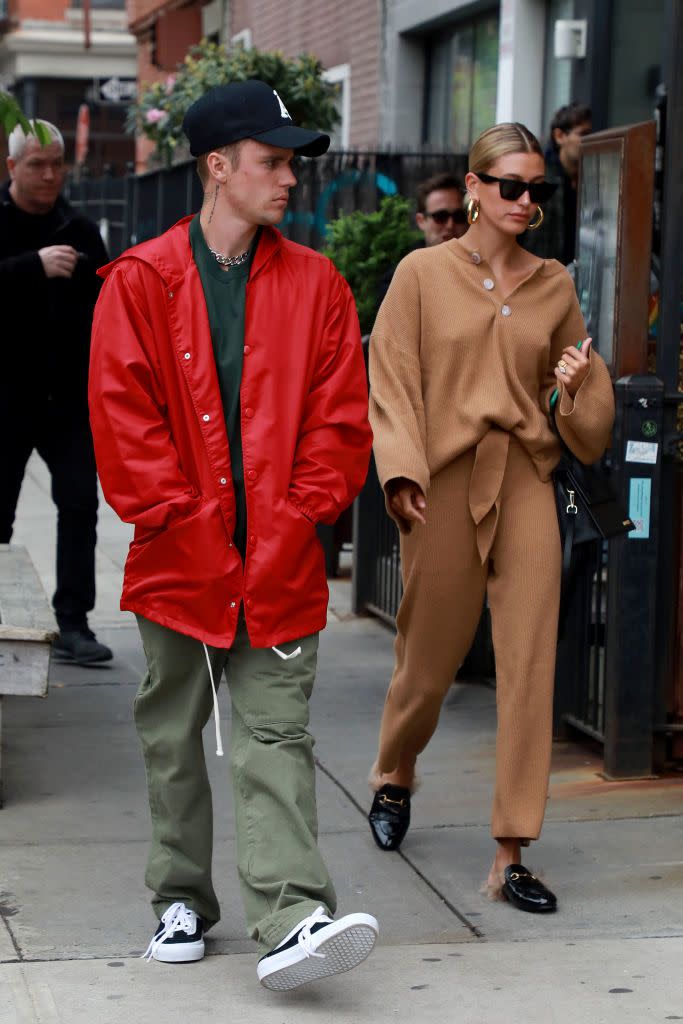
[384, 799]
[514, 875]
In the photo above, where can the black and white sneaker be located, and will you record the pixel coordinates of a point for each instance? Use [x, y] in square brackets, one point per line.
[317, 948]
[179, 938]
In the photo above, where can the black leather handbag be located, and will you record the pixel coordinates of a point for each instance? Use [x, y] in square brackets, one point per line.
[587, 508]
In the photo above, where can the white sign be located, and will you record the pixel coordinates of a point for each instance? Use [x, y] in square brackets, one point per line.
[117, 90]
[642, 451]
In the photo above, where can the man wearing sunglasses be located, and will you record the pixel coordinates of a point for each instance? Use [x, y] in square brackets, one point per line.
[440, 216]
[440, 211]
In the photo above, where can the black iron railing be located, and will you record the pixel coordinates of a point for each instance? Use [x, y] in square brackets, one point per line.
[139, 207]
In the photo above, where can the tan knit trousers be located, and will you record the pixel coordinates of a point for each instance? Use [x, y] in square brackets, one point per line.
[445, 580]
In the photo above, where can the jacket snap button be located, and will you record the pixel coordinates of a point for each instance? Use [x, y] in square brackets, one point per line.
[187, 355]
[506, 311]
[206, 417]
[251, 475]
[475, 257]
[247, 349]
[223, 481]
[233, 604]
[248, 413]
[250, 603]
[252, 539]
[488, 284]
[170, 295]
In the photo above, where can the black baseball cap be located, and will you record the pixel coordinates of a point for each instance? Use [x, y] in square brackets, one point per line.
[247, 110]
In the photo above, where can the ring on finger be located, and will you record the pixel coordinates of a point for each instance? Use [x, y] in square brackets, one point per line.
[562, 369]
[562, 364]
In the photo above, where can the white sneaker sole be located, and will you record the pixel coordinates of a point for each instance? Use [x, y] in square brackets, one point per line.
[180, 953]
[346, 944]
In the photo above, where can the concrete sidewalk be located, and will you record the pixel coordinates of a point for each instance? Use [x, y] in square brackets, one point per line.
[73, 838]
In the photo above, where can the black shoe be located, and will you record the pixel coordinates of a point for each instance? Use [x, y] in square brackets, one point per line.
[80, 647]
[526, 892]
[389, 816]
[179, 939]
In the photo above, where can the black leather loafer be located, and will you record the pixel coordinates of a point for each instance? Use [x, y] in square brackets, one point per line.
[526, 892]
[389, 816]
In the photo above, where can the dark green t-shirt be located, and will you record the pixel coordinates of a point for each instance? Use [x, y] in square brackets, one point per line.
[225, 295]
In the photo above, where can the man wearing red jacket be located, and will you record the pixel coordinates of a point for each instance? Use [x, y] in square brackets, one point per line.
[229, 411]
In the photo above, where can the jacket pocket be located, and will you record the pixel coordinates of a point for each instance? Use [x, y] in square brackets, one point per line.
[184, 565]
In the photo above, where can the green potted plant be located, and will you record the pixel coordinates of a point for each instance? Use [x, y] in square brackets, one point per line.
[159, 110]
[366, 246]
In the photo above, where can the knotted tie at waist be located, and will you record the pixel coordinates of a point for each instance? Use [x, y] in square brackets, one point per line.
[485, 485]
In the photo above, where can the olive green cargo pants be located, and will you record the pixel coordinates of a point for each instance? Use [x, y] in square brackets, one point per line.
[282, 875]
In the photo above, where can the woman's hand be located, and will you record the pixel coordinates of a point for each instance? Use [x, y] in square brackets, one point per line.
[407, 502]
[572, 369]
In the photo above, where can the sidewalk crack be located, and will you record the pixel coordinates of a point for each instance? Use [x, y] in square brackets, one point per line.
[477, 932]
[15, 945]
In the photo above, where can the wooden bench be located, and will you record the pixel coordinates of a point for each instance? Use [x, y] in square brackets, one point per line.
[27, 628]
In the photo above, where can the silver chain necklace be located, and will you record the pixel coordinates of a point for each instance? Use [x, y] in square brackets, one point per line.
[230, 261]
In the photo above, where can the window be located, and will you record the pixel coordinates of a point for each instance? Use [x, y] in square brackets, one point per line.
[635, 69]
[462, 76]
[340, 75]
[557, 84]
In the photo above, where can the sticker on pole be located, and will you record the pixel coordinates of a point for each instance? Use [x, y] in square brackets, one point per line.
[642, 451]
[640, 491]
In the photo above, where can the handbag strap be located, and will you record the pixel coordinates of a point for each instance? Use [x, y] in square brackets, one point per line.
[567, 551]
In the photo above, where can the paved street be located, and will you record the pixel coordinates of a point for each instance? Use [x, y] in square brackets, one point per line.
[74, 914]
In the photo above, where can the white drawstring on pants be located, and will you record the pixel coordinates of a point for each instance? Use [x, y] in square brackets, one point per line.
[216, 712]
[286, 657]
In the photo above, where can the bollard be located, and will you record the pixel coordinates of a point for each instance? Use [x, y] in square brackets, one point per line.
[630, 651]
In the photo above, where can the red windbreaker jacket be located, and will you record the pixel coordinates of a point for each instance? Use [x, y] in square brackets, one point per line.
[162, 450]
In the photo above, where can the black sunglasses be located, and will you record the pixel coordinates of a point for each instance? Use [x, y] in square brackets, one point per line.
[511, 188]
[441, 217]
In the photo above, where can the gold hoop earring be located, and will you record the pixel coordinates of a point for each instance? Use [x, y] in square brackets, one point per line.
[472, 210]
[539, 220]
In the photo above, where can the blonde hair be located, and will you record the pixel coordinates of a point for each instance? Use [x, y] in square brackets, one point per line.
[510, 137]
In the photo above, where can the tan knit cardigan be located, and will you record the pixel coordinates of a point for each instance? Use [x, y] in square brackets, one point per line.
[450, 357]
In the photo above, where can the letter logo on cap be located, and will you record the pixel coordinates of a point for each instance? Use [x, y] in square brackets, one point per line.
[283, 108]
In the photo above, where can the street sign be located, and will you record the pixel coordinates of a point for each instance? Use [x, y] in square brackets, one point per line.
[118, 90]
[82, 133]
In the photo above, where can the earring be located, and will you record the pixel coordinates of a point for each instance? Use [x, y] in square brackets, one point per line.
[472, 210]
[539, 220]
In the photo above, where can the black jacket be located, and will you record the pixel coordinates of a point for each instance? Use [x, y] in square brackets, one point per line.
[45, 322]
[556, 237]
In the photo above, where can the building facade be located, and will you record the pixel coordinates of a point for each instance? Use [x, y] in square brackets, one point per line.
[432, 74]
[54, 60]
[453, 68]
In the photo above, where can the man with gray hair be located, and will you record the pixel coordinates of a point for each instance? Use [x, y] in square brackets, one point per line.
[49, 255]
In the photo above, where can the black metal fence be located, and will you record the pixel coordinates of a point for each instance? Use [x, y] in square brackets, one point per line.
[138, 207]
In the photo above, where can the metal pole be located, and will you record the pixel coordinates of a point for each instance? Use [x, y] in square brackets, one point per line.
[669, 346]
[86, 24]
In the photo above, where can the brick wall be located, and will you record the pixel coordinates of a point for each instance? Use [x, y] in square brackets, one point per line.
[138, 9]
[45, 10]
[160, 51]
[336, 33]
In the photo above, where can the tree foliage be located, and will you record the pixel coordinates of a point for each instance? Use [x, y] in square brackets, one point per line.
[11, 115]
[364, 246]
[159, 110]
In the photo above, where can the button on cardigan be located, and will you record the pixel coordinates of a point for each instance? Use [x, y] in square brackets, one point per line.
[451, 359]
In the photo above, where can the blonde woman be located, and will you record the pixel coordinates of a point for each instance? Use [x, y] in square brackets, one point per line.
[473, 337]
